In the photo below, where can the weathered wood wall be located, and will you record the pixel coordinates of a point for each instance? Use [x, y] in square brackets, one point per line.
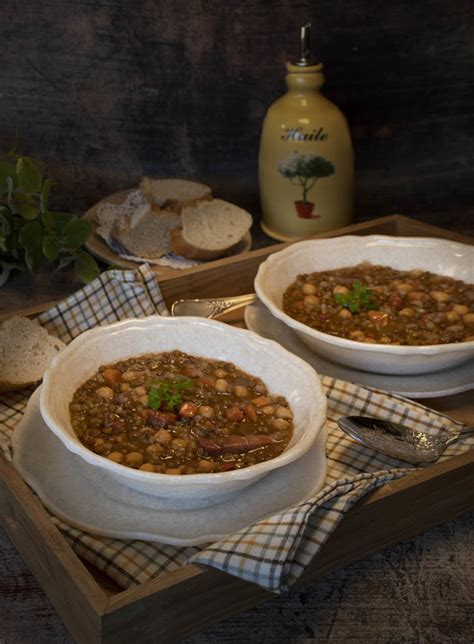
[108, 90]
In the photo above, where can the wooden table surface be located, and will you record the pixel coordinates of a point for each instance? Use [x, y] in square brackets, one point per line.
[417, 591]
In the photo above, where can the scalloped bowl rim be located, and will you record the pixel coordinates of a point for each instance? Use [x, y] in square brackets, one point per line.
[317, 407]
[264, 272]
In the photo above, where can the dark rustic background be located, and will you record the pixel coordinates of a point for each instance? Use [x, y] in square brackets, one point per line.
[109, 90]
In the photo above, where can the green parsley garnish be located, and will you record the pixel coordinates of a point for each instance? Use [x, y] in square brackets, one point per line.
[360, 298]
[167, 394]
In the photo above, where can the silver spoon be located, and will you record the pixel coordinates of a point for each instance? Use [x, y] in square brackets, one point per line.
[211, 307]
[396, 440]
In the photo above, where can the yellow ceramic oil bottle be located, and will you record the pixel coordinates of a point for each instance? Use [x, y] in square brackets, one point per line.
[306, 161]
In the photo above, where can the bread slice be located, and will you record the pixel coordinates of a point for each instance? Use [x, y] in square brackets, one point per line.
[145, 233]
[174, 194]
[210, 229]
[26, 350]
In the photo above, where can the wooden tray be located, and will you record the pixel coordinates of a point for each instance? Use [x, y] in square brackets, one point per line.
[176, 604]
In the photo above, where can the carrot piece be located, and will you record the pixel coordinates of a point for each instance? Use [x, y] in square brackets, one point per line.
[111, 376]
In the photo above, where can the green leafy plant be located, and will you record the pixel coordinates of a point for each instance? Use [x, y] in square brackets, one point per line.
[359, 298]
[166, 394]
[30, 233]
[304, 170]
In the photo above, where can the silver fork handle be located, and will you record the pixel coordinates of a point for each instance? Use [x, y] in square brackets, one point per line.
[211, 307]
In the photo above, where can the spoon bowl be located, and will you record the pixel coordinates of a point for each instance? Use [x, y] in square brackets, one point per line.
[398, 441]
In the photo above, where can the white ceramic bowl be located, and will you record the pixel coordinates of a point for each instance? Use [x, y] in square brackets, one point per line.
[436, 255]
[284, 374]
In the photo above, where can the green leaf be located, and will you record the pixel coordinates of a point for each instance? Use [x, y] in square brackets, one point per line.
[50, 248]
[29, 174]
[33, 258]
[26, 205]
[166, 394]
[31, 236]
[47, 219]
[360, 298]
[60, 219]
[76, 232]
[86, 267]
[30, 240]
[44, 198]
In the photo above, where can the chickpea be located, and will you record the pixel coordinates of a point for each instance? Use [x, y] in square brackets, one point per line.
[339, 289]
[452, 316]
[468, 318]
[268, 410]
[179, 443]
[416, 296]
[221, 385]
[140, 391]
[462, 309]
[261, 401]
[134, 459]
[283, 412]
[280, 423]
[309, 289]
[105, 392]
[173, 470]
[143, 400]
[220, 373]
[124, 387]
[154, 450]
[311, 300]
[407, 312]
[206, 410]
[129, 376]
[345, 313]
[163, 436]
[147, 467]
[240, 391]
[404, 288]
[204, 466]
[116, 457]
[440, 296]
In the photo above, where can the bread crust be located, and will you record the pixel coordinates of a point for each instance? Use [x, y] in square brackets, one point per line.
[184, 249]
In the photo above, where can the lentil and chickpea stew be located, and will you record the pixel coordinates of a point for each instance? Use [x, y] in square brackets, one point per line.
[378, 304]
[174, 413]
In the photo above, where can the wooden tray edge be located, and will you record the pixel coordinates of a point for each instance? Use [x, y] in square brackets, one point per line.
[209, 594]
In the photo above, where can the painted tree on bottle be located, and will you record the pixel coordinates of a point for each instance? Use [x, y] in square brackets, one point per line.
[304, 170]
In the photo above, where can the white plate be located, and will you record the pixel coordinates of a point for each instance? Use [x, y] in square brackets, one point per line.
[428, 385]
[81, 496]
[98, 247]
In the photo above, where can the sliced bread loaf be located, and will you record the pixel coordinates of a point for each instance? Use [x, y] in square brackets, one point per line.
[145, 233]
[26, 350]
[210, 229]
[174, 193]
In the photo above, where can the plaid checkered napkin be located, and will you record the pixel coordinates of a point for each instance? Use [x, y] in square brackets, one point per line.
[274, 551]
